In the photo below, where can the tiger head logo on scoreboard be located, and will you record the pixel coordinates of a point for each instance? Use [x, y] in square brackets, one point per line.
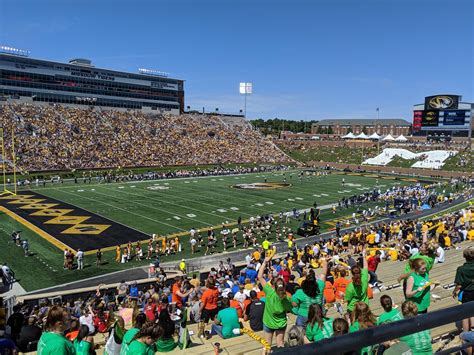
[441, 102]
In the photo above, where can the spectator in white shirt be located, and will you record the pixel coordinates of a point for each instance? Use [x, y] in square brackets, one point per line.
[240, 296]
[440, 254]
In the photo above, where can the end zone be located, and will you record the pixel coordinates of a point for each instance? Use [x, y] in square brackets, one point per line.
[67, 226]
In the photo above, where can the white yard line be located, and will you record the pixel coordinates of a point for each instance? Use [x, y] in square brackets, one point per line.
[125, 210]
[154, 208]
[181, 198]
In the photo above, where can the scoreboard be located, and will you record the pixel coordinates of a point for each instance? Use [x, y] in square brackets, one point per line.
[442, 113]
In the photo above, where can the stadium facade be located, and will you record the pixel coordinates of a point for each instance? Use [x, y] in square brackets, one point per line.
[393, 126]
[443, 116]
[80, 83]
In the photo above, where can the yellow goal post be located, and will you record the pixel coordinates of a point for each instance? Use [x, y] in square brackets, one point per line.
[6, 189]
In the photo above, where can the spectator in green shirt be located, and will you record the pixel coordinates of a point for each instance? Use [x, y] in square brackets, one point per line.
[390, 314]
[227, 321]
[318, 327]
[52, 341]
[418, 286]
[356, 291]
[426, 254]
[166, 342]
[362, 318]
[84, 343]
[464, 281]
[311, 292]
[340, 327]
[143, 342]
[140, 320]
[277, 304]
[419, 343]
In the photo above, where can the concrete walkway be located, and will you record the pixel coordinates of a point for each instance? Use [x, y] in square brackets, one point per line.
[15, 291]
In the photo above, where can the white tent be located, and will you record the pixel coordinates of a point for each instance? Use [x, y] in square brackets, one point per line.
[388, 138]
[375, 136]
[401, 138]
[350, 135]
[362, 136]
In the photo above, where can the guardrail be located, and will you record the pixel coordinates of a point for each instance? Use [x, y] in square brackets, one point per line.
[379, 334]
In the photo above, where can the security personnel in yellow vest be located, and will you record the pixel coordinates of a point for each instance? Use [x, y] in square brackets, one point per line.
[182, 266]
[265, 245]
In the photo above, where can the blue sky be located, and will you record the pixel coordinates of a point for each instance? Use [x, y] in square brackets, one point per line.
[306, 59]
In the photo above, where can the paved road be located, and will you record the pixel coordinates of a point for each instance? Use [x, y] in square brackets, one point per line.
[204, 263]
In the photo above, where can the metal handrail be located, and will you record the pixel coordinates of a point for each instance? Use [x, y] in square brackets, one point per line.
[382, 333]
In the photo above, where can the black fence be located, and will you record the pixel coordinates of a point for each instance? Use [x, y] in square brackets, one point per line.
[376, 335]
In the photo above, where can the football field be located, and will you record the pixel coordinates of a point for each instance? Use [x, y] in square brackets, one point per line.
[92, 216]
[166, 207]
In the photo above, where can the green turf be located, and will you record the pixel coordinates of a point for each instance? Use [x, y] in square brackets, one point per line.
[180, 205]
[172, 206]
[348, 155]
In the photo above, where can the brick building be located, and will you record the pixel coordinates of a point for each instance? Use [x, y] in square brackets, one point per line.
[393, 126]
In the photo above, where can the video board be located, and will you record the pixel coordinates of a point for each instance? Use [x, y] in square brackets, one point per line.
[441, 120]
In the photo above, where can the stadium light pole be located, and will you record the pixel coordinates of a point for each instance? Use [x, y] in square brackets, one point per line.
[378, 139]
[245, 89]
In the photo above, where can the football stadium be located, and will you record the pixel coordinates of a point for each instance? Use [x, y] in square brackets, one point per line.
[134, 222]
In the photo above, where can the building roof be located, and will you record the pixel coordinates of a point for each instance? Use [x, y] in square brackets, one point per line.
[364, 122]
[74, 64]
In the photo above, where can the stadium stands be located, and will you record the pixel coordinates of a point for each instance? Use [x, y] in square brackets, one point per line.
[62, 138]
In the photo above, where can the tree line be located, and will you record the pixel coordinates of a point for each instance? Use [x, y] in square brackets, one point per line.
[276, 125]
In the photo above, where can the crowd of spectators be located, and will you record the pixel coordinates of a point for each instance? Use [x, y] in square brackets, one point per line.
[56, 137]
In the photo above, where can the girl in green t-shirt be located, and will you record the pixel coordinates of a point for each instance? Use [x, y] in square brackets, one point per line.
[277, 304]
[143, 342]
[390, 314]
[362, 318]
[311, 292]
[84, 343]
[419, 343]
[52, 341]
[418, 286]
[318, 327]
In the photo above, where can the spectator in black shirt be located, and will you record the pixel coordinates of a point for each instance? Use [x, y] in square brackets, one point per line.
[254, 312]
[15, 321]
[292, 286]
[29, 333]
